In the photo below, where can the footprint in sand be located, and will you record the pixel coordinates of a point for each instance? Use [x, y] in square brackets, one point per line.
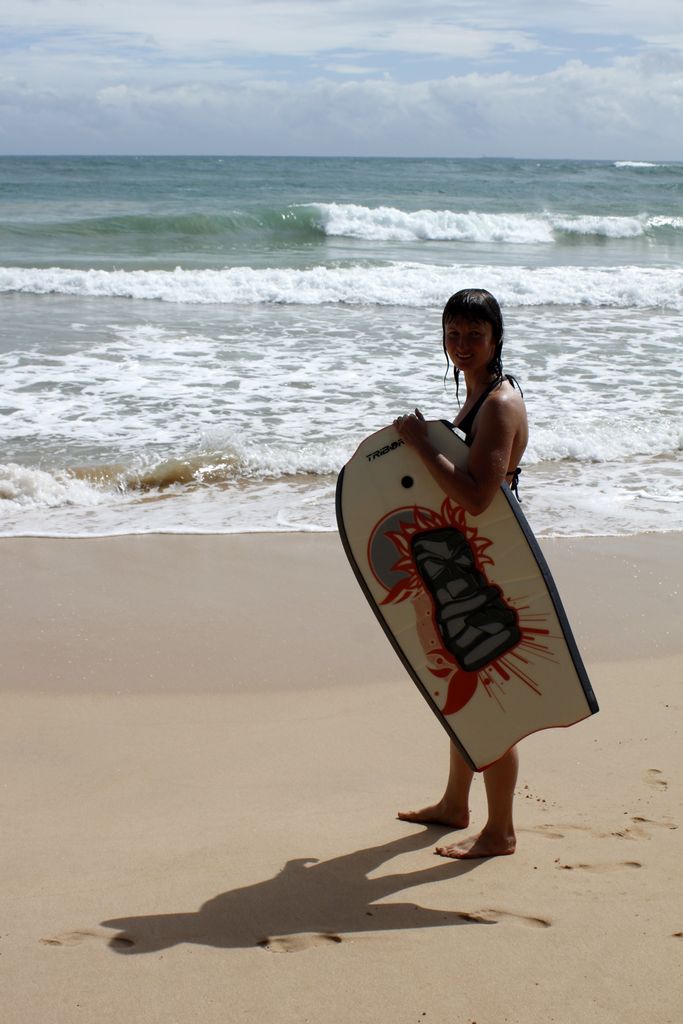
[495, 916]
[557, 831]
[76, 937]
[475, 918]
[651, 821]
[637, 829]
[549, 831]
[633, 831]
[297, 943]
[652, 777]
[629, 832]
[600, 867]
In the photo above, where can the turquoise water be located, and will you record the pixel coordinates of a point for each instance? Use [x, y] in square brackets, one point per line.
[213, 212]
[197, 344]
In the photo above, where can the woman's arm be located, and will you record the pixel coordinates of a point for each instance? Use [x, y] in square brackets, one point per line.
[475, 487]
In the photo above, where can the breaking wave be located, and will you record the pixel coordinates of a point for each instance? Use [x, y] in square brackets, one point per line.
[385, 223]
[313, 222]
[397, 284]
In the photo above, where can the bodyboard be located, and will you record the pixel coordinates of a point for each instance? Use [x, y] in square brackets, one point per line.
[467, 602]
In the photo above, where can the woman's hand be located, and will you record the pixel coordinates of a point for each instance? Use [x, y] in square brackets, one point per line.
[412, 428]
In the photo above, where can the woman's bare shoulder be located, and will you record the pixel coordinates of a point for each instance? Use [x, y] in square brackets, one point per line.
[506, 400]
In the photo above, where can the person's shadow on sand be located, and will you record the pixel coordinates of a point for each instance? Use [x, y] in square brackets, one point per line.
[307, 903]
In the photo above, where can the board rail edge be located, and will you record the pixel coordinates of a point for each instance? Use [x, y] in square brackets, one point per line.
[553, 592]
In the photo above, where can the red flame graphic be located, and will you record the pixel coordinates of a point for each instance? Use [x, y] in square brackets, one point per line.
[462, 684]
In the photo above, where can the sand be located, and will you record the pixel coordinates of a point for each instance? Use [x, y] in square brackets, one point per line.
[205, 741]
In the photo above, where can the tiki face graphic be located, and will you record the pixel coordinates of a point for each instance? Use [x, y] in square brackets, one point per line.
[473, 634]
[475, 623]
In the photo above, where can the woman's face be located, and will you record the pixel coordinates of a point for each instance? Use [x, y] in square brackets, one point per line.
[469, 343]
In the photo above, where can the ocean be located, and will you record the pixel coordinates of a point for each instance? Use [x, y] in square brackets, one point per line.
[197, 345]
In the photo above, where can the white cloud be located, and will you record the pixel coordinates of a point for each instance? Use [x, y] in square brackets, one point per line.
[350, 69]
[625, 110]
[304, 76]
[298, 28]
[458, 28]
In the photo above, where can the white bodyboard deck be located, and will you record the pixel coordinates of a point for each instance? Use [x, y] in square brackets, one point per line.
[467, 602]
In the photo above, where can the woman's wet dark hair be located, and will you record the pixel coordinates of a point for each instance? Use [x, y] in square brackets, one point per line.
[475, 305]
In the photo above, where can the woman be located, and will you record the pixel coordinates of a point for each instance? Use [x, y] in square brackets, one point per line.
[494, 421]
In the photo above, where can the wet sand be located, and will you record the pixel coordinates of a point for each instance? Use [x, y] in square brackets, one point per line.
[204, 744]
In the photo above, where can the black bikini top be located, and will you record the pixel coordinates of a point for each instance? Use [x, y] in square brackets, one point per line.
[467, 422]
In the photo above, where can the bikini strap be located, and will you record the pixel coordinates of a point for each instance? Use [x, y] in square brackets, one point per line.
[468, 422]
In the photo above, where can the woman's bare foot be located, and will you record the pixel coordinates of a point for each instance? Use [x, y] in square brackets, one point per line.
[441, 813]
[486, 844]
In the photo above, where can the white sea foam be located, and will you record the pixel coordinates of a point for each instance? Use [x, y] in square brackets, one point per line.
[565, 498]
[669, 497]
[605, 227]
[634, 163]
[216, 420]
[666, 222]
[385, 223]
[28, 487]
[612, 441]
[281, 392]
[396, 284]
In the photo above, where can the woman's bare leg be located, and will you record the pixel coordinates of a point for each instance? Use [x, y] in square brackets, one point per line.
[453, 807]
[497, 838]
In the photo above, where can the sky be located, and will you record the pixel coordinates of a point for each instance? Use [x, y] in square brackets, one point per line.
[584, 79]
